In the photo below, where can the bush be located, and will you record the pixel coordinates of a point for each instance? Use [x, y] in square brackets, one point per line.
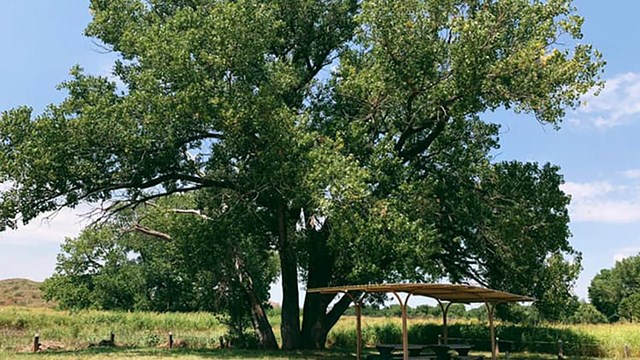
[587, 314]
[629, 308]
[151, 339]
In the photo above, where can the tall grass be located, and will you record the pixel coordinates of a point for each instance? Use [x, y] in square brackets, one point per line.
[75, 329]
[578, 340]
[203, 330]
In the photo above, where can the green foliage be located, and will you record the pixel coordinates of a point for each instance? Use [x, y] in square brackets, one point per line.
[94, 271]
[386, 154]
[151, 339]
[629, 308]
[587, 314]
[610, 287]
[188, 263]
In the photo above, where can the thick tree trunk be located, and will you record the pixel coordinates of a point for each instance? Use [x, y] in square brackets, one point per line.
[261, 325]
[290, 326]
[314, 330]
[317, 321]
[259, 318]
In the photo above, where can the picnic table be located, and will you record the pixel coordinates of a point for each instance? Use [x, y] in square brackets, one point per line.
[442, 350]
[386, 350]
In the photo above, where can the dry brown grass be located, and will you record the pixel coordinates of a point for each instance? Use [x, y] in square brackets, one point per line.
[22, 292]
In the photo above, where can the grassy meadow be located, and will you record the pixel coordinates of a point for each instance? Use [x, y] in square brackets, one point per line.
[143, 335]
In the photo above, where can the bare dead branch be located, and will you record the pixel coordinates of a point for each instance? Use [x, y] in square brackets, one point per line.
[192, 212]
[145, 230]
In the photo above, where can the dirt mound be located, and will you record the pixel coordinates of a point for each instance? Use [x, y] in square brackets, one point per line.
[22, 292]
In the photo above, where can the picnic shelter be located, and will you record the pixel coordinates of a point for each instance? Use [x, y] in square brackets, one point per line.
[444, 294]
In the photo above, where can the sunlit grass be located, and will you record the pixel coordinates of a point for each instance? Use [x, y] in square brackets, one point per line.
[78, 329]
[605, 340]
[140, 334]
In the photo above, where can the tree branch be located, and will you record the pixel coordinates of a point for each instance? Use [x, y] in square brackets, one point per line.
[337, 310]
[151, 232]
[424, 144]
[191, 211]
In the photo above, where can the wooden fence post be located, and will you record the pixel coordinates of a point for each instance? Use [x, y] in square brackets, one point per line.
[36, 343]
[112, 338]
[170, 340]
[560, 349]
[627, 353]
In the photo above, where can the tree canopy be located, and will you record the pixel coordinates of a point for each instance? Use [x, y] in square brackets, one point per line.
[354, 135]
[615, 292]
[196, 263]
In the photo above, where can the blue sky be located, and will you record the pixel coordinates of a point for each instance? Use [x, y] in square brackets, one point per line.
[596, 148]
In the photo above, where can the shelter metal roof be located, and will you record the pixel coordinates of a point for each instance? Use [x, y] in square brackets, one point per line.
[456, 293]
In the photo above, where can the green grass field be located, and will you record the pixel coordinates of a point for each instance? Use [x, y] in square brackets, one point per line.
[144, 335]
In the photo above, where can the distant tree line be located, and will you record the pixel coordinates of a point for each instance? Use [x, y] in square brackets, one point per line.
[615, 292]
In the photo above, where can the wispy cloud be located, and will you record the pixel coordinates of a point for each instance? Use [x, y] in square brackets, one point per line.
[606, 211]
[603, 201]
[632, 174]
[617, 104]
[49, 228]
[588, 189]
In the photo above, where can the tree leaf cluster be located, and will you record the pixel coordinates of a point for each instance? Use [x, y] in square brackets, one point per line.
[615, 292]
[158, 258]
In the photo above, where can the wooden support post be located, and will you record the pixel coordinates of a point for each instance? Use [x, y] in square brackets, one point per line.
[112, 338]
[445, 328]
[358, 305]
[491, 307]
[170, 340]
[405, 332]
[627, 353]
[36, 343]
[358, 330]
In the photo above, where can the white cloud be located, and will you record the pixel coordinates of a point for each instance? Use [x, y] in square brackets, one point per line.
[604, 202]
[625, 253]
[606, 211]
[587, 190]
[617, 104]
[48, 228]
[632, 174]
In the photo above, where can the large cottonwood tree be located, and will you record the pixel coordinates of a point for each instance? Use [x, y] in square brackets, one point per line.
[363, 115]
